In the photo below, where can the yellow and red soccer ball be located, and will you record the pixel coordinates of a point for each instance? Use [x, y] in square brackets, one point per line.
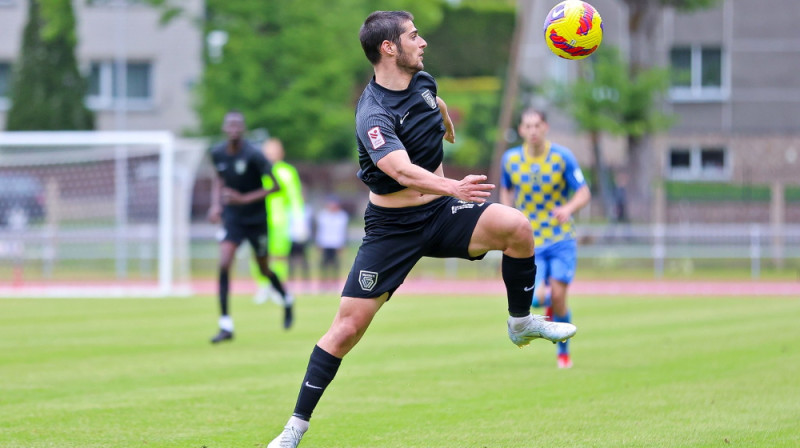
[573, 29]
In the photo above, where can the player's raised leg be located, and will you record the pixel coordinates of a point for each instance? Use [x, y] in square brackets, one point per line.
[507, 229]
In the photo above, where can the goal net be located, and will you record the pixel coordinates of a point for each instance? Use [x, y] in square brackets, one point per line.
[95, 214]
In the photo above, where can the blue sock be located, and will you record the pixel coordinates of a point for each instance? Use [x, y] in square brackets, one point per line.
[546, 302]
[563, 347]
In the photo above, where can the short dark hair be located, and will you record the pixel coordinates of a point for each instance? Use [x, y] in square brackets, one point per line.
[533, 111]
[381, 26]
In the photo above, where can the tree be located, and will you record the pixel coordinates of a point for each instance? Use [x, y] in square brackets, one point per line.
[294, 68]
[643, 17]
[606, 99]
[48, 91]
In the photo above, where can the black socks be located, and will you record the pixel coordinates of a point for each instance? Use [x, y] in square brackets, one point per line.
[519, 275]
[223, 292]
[276, 283]
[321, 369]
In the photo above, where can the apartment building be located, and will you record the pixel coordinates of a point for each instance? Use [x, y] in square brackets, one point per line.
[163, 61]
[735, 90]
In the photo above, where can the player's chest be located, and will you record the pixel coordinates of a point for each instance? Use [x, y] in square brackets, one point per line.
[232, 167]
[538, 174]
[416, 113]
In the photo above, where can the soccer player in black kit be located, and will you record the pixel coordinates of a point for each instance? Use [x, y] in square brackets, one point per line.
[237, 198]
[414, 210]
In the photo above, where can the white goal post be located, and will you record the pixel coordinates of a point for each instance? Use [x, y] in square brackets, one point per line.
[95, 214]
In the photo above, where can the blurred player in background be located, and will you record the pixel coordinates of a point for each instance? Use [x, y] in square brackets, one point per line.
[414, 210]
[331, 239]
[300, 234]
[237, 199]
[284, 207]
[544, 181]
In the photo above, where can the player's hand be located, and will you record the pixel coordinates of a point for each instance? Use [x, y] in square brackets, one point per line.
[232, 197]
[450, 133]
[214, 214]
[473, 189]
[562, 214]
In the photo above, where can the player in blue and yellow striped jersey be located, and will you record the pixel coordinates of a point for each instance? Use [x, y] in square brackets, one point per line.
[544, 181]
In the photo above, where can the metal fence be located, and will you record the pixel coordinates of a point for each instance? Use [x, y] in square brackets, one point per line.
[756, 243]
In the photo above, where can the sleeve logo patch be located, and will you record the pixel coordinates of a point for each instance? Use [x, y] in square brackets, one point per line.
[376, 138]
[429, 98]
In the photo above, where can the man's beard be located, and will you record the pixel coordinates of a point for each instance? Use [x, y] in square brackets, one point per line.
[404, 62]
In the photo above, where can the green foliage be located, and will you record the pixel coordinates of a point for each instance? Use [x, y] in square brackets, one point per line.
[48, 91]
[689, 5]
[792, 194]
[294, 68]
[715, 192]
[607, 100]
[469, 35]
[474, 104]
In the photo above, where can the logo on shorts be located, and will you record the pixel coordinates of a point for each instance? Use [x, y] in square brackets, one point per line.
[376, 138]
[367, 280]
[462, 205]
[428, 96]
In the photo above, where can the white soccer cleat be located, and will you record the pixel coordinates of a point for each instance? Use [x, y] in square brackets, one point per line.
[266, 294]
[261, 296]
[289, 438]
[534, 326]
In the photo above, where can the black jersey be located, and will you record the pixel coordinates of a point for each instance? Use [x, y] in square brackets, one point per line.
[242, 172]
[388, 120]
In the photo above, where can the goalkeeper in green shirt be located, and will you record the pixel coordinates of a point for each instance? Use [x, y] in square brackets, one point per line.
[285, 208]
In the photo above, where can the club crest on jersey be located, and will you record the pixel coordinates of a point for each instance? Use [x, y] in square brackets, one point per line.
[376, 138]
[240, 166]
[367, 280]
[429, 98]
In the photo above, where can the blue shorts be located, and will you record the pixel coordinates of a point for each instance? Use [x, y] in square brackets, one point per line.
[557, 261]
[396, 238]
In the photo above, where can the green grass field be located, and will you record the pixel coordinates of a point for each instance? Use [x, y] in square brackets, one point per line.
[434, 371]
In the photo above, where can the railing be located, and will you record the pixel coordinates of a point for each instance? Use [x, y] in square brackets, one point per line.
[660, 243]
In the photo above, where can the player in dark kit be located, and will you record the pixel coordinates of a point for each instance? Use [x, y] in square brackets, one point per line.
[414, 210]
[237, 198]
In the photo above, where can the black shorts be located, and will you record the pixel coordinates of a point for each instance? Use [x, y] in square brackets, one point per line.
[396, 238]
[256, 234]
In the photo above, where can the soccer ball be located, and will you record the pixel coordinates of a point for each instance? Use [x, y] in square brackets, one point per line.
[573, 29]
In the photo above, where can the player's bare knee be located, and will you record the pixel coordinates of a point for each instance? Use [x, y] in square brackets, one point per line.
[347, 333]
[521, 235]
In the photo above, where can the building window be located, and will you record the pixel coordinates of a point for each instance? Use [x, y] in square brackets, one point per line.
[698, 163]
[5, 85]
[104, 85]
[697, 74]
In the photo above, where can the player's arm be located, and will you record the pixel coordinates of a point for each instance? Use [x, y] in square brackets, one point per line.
[233, 197]
[506, 197]
[471, 188]
[215, 211]
[578, 200]
[506, 188]
[449, 129]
